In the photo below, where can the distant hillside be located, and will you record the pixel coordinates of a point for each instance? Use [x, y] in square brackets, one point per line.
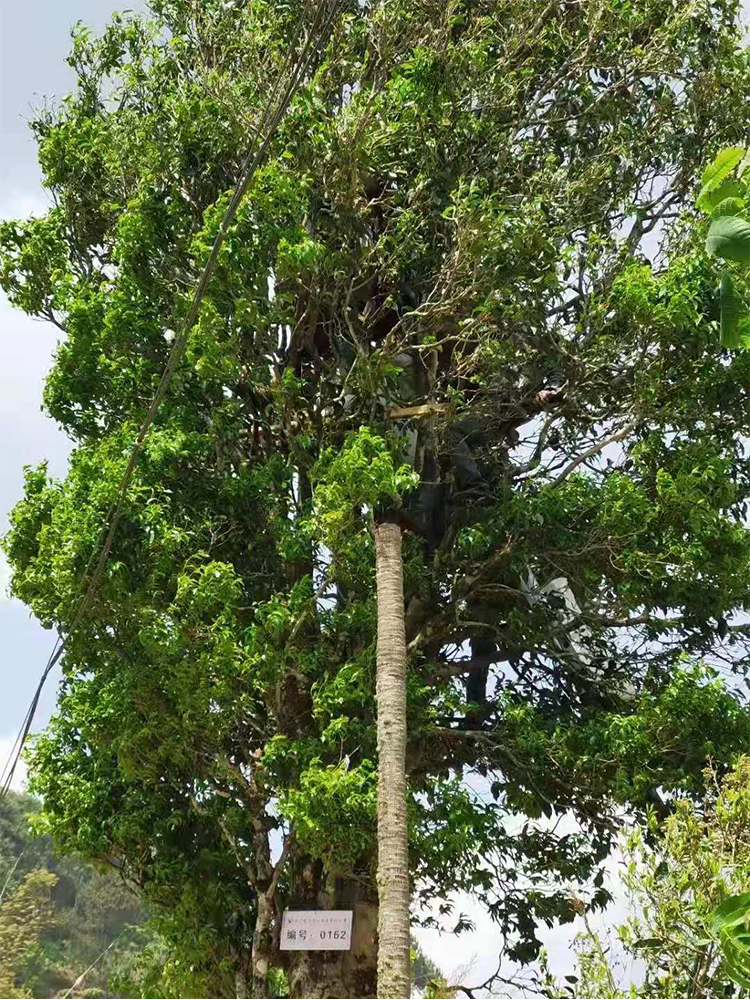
[58, 928]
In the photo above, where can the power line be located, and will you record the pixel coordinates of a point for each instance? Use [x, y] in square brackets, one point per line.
[274, 111]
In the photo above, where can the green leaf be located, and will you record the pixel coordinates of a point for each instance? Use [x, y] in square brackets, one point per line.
[733, 913]
[732, 308]
[744, 164]
[731, 922]
[709, 199]
[728, 206]
[724, 164]
[729, 237]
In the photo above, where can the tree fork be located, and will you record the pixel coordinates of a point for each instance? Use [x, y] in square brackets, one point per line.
[394, 971]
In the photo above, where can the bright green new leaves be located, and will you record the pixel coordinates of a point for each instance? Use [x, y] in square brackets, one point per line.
[729, 206]
[731, 922]
[715, 173]
[686, 880]
[727, 189]
[363, 477]
[732, 311]
[334, 811]
[728, 237]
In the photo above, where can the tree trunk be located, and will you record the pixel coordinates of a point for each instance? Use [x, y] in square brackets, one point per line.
[319, 975]
[324, 974]
[394, 971]
[240, 983]
[262, 946]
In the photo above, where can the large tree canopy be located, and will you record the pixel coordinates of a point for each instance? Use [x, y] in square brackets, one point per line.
[463, 286]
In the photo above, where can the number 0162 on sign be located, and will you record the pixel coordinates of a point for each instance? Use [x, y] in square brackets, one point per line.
[316, 930]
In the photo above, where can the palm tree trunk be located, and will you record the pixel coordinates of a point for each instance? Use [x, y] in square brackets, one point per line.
[394, 972]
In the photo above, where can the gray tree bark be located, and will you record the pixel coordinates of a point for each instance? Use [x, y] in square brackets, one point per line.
[324, 974]
[318, 975]
[394, 963]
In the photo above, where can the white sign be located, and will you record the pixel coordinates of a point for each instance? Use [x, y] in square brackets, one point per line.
[316, 930]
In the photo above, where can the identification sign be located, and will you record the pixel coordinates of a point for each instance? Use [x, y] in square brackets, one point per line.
[316, 930]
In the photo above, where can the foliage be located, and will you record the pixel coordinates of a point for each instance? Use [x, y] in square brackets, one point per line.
[725, 199]
[685, 879]
[437, 296]
[154, 968]
[79, 912]
[362, 476]
[23, 916]
[730, 922]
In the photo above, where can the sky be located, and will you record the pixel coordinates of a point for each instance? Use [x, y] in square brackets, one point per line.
[28, 74]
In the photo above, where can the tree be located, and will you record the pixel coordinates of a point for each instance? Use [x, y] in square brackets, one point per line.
[435, 302]
[23, 917]
[674, 883]
[426, 974]
[85, 920]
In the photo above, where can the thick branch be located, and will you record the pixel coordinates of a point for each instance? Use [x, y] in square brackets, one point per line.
[594, 450]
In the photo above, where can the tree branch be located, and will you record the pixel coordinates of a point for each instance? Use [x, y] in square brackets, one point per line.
[594, 450]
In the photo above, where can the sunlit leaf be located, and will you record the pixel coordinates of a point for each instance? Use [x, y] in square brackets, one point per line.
[731, 922]
[721, 167]
[729, 237]
[709, 199]
[728, 206]
[732, 309]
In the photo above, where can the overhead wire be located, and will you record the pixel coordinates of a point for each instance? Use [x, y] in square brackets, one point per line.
[273, 113]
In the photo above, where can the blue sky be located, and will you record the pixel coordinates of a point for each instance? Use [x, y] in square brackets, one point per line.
[28, 73]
